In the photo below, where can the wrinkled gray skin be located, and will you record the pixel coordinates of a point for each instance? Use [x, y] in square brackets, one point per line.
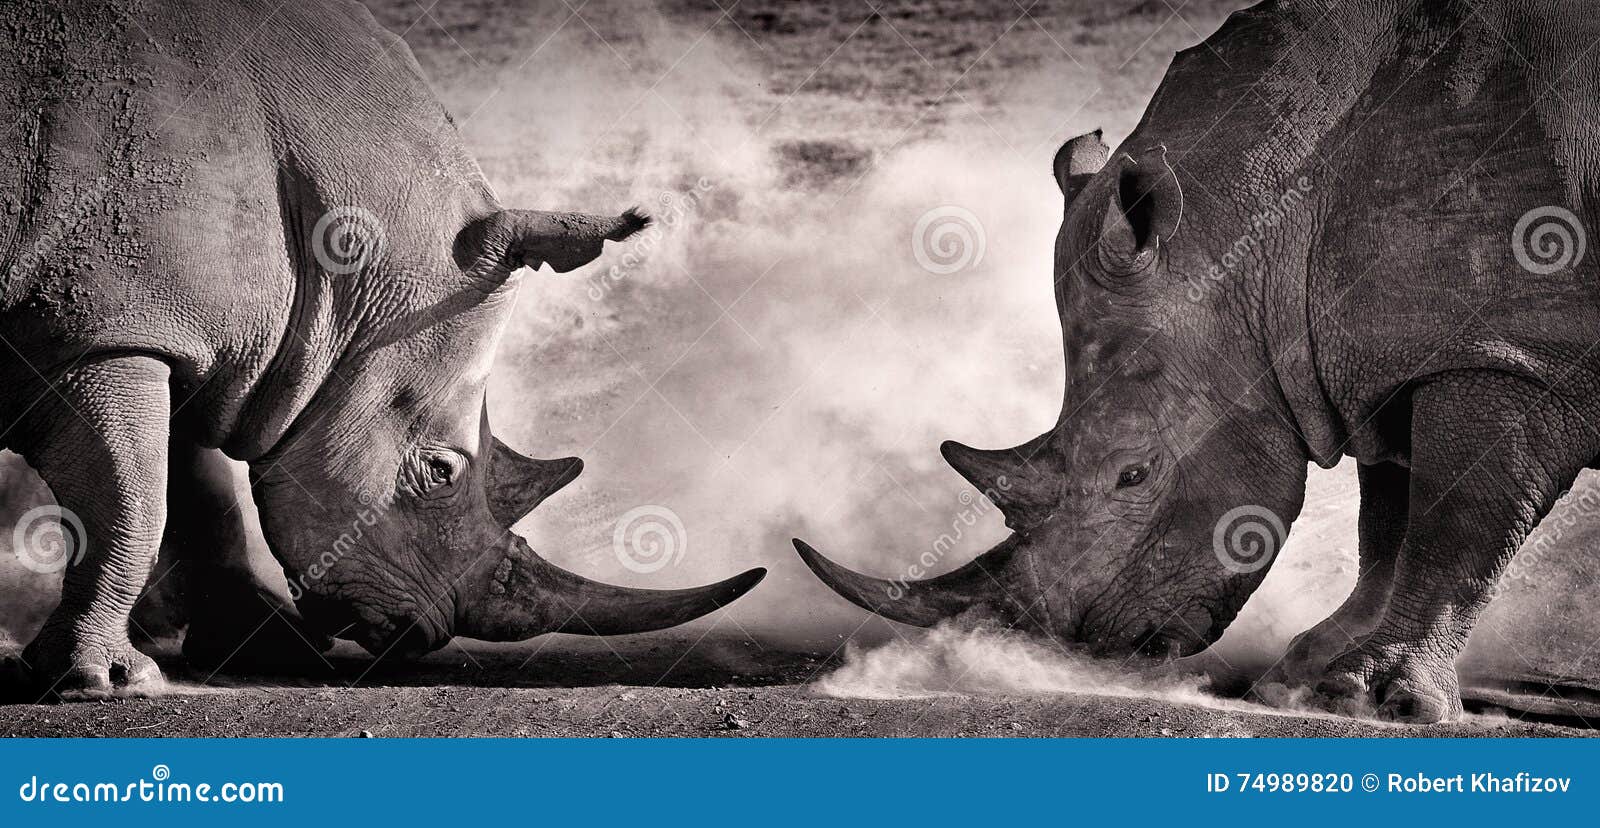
[1220, 334]
[167, 166]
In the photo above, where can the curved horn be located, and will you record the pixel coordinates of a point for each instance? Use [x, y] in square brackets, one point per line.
[921, 603]
[524, 595]
[518, 483]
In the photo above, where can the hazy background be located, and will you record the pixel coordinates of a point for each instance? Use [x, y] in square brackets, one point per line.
[773, 360]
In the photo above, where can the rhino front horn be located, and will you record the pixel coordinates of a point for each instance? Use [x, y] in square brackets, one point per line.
[523, 595]
[978, 585]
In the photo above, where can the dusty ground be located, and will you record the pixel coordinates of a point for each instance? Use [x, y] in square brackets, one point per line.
[675, 686]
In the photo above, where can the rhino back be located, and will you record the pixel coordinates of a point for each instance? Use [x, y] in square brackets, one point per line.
[1480, 118]
[1419, 133]
[169, 161]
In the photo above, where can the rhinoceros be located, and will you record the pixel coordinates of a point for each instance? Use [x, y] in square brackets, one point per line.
[249, 229]
[1340, 229]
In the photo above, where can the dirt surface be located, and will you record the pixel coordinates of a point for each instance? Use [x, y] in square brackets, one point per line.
[649, 686]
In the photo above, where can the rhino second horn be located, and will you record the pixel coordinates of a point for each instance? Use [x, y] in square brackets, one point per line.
[991, 470]
[1018, 480]
[518, 483]
[921, 603]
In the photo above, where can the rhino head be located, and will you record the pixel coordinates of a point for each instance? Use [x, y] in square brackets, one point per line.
[1146, 517]
[389, 501]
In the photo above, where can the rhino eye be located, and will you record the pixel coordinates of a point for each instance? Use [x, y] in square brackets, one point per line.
[437, 472]
[1132, 476]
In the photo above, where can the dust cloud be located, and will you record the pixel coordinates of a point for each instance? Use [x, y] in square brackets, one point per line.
[976, 661]
[782, 355]
[950, 659]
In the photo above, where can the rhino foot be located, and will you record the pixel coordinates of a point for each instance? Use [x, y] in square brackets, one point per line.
[1393, 681]
[1308, 655]
[242, 627]
[61, 669]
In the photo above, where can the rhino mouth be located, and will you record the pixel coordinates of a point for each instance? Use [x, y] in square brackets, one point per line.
[990, 586]
[1184, 631]
[332, 618]
[407, 639]
[391, 637]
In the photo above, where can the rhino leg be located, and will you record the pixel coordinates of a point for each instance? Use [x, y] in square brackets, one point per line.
[237, 623]
[1385, 494]
[162, 610]
[100, 443]
[1490, 454]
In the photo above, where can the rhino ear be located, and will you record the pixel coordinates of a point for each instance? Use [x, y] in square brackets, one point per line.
[510, 239]
[1146, 207]
[1077, 161]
